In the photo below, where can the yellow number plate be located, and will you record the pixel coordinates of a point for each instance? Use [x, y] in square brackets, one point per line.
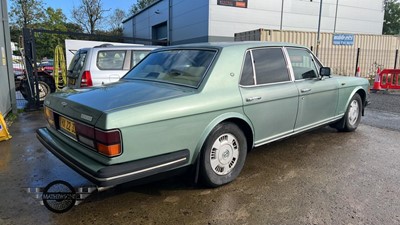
[67, 125]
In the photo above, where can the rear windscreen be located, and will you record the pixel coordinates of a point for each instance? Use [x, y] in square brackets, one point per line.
[78, 61]
[181, 66]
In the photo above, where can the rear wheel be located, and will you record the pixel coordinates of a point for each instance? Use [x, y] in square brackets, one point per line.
[223, 155]
[353, 114]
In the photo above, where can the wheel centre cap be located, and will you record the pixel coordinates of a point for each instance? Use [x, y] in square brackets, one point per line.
[225, 155]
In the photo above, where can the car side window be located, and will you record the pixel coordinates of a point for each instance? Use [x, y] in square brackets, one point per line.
[247, 73]
[111, 59]
[270, 66]
[302, 63]
[137, 56]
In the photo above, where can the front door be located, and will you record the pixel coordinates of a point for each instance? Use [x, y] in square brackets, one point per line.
[317, 97]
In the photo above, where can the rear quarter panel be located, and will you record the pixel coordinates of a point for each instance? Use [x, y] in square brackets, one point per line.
[183, 122]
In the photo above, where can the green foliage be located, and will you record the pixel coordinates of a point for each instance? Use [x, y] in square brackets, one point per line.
[26, 13]
[73, 27]
[15, 33]
[391, 24]
[45, 43]
[141, 4]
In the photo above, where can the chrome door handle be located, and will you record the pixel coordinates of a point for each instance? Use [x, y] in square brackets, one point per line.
[252, 99]
[305, 90]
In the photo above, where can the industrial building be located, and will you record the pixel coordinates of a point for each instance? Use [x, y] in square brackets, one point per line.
[188, 21]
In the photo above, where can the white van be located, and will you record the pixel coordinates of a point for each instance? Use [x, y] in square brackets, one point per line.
[103, 64]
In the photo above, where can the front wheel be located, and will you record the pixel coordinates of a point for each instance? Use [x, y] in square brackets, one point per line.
[353, 114]
[223, 155]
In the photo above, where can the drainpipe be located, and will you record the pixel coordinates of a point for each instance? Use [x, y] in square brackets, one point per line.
[283, 2]
[319, 28]
[169, 22]
[337, 6]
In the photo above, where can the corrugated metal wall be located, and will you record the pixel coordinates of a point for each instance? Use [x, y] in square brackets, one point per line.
[375, 50]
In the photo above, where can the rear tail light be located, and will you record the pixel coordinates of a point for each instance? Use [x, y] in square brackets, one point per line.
[49, 115]
[86, 80]
[107, 143]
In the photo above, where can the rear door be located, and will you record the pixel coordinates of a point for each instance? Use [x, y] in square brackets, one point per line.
[270, 97]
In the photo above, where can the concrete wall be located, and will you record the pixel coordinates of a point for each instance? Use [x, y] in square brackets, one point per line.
[7, 84]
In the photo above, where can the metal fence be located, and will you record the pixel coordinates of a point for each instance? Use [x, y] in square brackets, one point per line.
[368, 51]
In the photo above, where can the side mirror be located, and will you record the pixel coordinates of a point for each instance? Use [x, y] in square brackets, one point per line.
[325, 71]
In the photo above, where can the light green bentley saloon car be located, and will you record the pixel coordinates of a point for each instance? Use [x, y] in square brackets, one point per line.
[199, 106]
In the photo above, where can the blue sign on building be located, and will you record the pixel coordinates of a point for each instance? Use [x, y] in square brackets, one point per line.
[343, 39]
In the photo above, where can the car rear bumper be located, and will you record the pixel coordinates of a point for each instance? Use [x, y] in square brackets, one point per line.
[110, 175]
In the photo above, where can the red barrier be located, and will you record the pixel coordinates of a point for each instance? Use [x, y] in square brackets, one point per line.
[390, 79]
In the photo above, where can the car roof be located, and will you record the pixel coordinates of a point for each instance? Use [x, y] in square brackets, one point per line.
[118, 47]
[239, 45]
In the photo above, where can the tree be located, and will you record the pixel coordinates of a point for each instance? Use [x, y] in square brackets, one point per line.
[116, 18]
[140, 4]
[73, 27]
[54, 20]
[26, 13]
[89, 15]
[45, 43]
[391, 23]
[15, 33]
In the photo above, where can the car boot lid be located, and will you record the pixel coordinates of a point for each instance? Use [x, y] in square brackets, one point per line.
[92, 102]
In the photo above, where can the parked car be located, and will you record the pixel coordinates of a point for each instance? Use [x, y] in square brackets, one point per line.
[201, 106]
[103, 64]
[46, 84]
[46, 66]
[19, 74]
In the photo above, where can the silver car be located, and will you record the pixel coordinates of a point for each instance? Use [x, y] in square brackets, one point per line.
[103, 64]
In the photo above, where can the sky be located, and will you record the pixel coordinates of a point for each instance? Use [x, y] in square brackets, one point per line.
[67, 5]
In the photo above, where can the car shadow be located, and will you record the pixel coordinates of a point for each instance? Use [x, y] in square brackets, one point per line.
[185, 179]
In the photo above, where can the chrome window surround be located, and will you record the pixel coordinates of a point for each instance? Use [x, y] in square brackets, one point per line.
[313, 58]
[288, 67]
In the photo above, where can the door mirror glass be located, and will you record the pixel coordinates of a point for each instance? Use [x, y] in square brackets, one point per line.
[325, 71]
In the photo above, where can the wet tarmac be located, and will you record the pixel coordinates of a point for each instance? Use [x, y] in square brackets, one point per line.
[320, 177]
